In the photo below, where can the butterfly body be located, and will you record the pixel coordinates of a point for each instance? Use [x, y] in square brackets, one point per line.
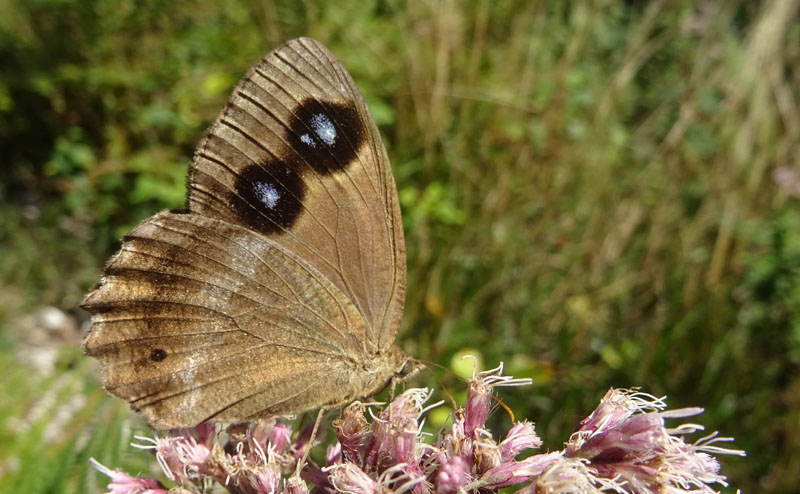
[280, 287]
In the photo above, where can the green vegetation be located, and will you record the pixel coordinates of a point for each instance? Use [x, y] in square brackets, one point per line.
[597, 193]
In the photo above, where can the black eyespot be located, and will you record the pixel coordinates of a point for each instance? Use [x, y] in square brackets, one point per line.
[323, 138]
[326, 136]
[157, 355]
[269, 196]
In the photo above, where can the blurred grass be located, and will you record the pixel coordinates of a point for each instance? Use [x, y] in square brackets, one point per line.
[598, 193]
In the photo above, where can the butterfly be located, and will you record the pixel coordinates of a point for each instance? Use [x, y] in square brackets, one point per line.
[280, 287]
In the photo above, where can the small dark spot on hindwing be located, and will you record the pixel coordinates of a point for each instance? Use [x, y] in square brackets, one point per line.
[269, 196]
[158, 355]
[326, 136]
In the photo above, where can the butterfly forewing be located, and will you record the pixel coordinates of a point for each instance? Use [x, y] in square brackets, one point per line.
[281, 287]
[296, 156]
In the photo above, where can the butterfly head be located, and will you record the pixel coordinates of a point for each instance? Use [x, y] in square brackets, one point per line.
[407, 367]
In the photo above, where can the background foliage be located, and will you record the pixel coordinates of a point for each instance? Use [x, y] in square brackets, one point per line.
[597, 193]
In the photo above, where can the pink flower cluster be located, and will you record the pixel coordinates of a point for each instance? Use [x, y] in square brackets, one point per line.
[622, 447]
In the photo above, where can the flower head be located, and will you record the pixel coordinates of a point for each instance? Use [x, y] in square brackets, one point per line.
[395, 440]
[352, 429]
[183, 453]
[522, 436]
[122, 483]
[623, 447]
[625, 438]
[453, 475]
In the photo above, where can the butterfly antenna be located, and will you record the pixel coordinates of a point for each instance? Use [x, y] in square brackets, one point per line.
[302, 462]
[428, 363]
[432, 364]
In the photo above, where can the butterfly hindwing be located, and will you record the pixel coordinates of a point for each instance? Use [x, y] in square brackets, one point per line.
[194, 306]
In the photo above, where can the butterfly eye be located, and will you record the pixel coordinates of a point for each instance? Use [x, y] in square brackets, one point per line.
[409, 368]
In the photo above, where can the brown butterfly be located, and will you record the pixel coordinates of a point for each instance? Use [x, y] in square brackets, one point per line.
[280, 287]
